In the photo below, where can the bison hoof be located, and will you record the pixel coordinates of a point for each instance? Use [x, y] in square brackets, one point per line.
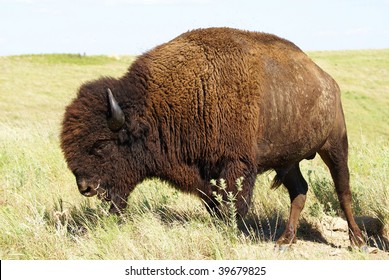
[364, 249]
[287, 238]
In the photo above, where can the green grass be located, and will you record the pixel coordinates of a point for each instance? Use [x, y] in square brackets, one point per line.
[42, 215]
[71, 59]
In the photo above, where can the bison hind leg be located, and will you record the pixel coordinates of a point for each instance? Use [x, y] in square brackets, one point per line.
[297, 187]
[335, 155]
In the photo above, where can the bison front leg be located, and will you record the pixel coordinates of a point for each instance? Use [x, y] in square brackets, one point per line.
[218, 195]
[242, 193]
[213, 195]
[297, 187]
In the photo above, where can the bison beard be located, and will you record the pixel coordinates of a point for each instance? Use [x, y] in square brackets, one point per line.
[210, 104]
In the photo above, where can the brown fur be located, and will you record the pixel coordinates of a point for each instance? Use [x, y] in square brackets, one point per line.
[211, 103]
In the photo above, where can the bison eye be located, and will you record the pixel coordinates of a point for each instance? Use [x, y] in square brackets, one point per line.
[99, 148]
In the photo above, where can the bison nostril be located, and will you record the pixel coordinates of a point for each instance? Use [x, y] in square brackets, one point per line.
[86, 190]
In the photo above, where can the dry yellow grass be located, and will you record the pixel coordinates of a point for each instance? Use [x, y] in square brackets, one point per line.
[42, 215]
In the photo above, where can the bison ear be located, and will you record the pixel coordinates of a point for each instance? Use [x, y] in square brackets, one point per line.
[137, 129]
[116, 117]
[140, 128]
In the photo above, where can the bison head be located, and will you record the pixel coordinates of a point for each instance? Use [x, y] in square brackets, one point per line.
[100, 145]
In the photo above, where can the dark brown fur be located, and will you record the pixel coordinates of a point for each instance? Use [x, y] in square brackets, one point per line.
[212, 103]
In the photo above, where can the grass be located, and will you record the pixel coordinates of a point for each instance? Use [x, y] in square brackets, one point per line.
[42, 215]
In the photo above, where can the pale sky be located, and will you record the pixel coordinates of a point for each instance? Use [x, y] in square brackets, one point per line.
[133, 26]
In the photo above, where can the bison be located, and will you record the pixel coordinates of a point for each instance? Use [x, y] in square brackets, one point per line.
[212, 103]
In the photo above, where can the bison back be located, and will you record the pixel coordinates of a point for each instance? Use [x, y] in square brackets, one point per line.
[216, 93]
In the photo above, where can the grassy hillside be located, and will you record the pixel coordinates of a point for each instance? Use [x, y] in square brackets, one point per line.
[42, 215]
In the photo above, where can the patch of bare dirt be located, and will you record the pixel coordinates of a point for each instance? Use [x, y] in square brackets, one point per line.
[329, 236]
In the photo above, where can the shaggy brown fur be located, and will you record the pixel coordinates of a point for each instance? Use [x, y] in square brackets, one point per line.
[211, 103]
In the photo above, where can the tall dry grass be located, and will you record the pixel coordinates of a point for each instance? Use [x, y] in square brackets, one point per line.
[42, 215]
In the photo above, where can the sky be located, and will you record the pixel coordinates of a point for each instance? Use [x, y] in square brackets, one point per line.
[131, 27]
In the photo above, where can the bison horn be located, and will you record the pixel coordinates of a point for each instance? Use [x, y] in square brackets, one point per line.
[116, 116]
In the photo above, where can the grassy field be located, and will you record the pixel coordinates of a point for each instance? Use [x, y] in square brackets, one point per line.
[42, 215]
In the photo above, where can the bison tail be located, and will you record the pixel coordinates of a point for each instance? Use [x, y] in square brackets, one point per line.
[279, 178]
[277, 181]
